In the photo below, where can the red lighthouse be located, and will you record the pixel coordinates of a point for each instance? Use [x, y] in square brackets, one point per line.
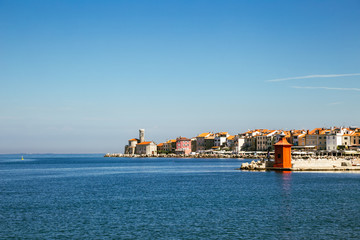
[282, 153]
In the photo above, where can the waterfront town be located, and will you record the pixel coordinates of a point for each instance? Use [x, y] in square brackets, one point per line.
[321, 141]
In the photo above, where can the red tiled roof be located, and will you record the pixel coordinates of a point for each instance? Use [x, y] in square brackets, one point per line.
[144, 143]
[183, 139]
[203, 134]
[314, 130]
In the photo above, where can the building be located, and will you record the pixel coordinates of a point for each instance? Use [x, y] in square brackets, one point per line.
[220, 139]
[183, 146]
[160, 148]
[200, 141]
[333, 140]
[167, 146]
[239, 143]
[317, 138]
[130, 149]
[261, 142]
[209, 141]
[170, 146]
[250, 143]
[230, 140]
[139, 146]
[193, 144]
[149, 148]
[355, 141]
[298, 138]
[142, 135]
[338, 138]
[270, 139]
[346, 140]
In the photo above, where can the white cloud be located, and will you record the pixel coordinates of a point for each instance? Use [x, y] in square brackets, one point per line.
[314, 76]
[329, 88]
[335, 103]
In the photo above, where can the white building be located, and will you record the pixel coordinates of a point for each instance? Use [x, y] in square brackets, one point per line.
[220, 139]
[130, 149]
[149, 148]
[333, 140]
[338, 137]
[239, 143]
[346, 140]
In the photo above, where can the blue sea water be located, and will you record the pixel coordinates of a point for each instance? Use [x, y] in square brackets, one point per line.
[92, 197]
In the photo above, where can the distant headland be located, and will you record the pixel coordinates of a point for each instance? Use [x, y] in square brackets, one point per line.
[255, 144]
[320, 149]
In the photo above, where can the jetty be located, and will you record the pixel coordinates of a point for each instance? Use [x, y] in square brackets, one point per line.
[312, 164]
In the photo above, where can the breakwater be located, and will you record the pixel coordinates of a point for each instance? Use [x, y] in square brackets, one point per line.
[308, 164]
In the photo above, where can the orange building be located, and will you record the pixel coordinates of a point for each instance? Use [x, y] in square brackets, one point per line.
[282, 153]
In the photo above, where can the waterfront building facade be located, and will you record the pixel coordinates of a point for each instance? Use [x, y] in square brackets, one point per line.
[250, 143]
[318, 139]
[220, 139]
[160, 148]
[130, 148]
[170, 146]
[239, 143]
[261, 142]
[139, 146]
[346, 140]
[299, 139]
[338, 139]
[355, 140]
[167, 146]
[183, 146]
[209, 141]
[333, 140]
[149, 148]
[230, 142]
[193, 144]
[200, 141]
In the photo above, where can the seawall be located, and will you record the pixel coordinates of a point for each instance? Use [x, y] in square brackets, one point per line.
[311, 164]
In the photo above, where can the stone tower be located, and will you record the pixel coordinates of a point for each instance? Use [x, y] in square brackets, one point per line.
[142, 135]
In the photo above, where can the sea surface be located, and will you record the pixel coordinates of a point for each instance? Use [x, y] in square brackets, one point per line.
[92, 197]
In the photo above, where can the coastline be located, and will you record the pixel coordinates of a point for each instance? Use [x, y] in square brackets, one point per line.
[172, 155]
[261, 163]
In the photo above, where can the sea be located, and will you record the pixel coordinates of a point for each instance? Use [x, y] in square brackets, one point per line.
[53, 196]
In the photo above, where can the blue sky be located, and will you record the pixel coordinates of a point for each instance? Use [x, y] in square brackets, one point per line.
[84, 76]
